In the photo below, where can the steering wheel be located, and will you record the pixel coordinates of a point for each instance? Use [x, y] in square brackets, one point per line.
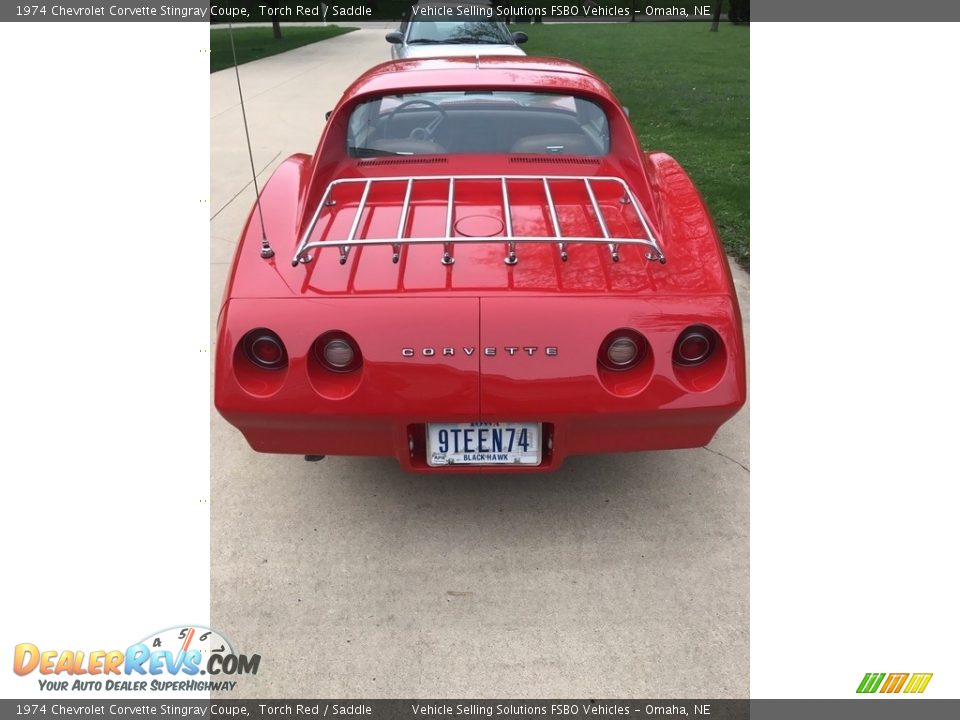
[424, 133]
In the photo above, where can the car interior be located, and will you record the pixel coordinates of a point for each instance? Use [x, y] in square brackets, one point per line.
[420, 126]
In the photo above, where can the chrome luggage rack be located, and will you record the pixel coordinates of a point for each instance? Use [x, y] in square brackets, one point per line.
[448, 240]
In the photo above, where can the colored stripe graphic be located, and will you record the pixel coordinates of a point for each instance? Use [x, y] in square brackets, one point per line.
[915, 683]
[894, 682]
[870, 682]
[918, 683]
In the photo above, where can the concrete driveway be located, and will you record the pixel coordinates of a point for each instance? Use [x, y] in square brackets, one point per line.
[617, 576]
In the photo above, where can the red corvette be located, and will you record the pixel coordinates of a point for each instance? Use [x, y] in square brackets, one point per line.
[479, 270]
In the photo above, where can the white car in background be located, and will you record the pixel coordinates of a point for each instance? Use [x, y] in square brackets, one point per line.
[424, 38]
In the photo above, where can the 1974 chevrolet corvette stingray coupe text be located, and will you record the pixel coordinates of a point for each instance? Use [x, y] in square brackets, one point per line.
[479, 270]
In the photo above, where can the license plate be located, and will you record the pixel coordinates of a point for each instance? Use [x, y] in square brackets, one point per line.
[495, 443]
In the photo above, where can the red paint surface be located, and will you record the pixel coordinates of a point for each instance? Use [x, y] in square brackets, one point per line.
[479, 301]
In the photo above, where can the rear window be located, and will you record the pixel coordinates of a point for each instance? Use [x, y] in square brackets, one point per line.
[478, 121]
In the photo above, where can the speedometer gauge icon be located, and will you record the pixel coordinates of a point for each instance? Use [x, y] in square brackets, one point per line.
[182, 639]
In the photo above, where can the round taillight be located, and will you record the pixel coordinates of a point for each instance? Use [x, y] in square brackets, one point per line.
[621, 350]
[694, 346]
[337, 352]
[265, 349]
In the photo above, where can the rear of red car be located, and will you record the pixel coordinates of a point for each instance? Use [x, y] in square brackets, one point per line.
[473, 312]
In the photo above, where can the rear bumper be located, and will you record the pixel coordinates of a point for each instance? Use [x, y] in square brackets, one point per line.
[405, 438]
[382, 409]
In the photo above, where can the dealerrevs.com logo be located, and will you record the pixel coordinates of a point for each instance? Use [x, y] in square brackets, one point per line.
[911, 683]
[182, 658]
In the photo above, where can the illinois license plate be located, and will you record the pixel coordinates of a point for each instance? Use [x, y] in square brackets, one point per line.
[496, 443]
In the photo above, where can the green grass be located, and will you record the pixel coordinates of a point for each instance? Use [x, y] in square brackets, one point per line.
[688, 91]
[256, 43]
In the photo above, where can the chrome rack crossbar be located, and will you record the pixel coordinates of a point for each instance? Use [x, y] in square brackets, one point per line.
[554, 219]
[449, 240]
[403, 219]
[345, 248]
[511, 258]
[614, 248]
[447, 258]
[301, 255]
[518, 239]
[655, 253]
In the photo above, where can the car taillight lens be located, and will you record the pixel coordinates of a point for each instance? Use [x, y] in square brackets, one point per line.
[265, 349]
[337, 352]
[621, 350]
[694, 346]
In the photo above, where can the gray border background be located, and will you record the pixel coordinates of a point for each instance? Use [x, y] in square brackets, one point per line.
[891, 708]
[761, 10]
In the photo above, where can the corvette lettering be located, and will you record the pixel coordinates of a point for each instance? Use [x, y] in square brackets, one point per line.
[511, 350]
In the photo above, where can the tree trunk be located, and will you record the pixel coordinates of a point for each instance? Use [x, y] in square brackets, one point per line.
[276, 20]
[716, 17]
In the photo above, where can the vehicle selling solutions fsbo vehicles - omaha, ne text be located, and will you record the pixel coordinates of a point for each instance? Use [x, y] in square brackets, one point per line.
[479, 269]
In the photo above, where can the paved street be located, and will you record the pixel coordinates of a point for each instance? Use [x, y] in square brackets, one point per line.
[617, 576]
